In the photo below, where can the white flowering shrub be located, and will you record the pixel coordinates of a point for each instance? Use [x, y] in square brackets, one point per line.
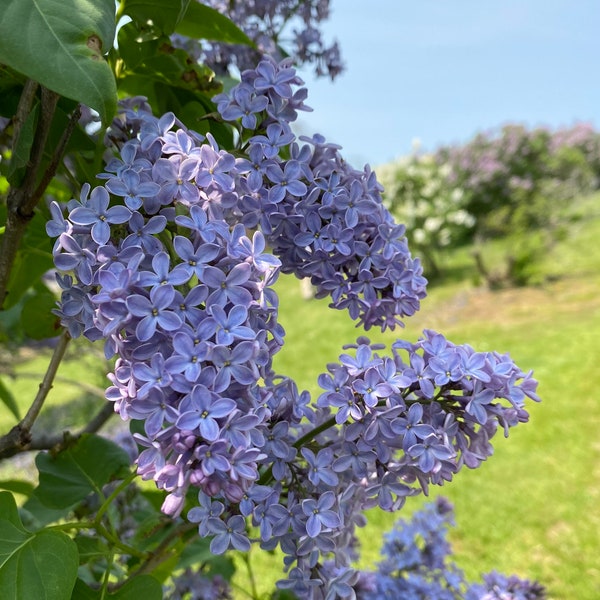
[418, 193]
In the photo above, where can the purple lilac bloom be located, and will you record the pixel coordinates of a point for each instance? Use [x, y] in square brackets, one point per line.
[96, 213]
[182, 293]
[417, 563]
[200, 410]
[154, 312]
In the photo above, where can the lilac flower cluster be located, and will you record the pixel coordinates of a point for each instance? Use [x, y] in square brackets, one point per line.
[434, 403]
[416, 565]
[271, 24]
[497, 586]
[185, 303]
[323, 219]
[166, 262]
[194, 585]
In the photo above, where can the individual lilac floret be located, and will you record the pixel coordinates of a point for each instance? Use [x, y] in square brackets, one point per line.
[96, 213]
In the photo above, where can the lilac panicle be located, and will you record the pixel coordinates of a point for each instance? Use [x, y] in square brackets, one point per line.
[172, 264]
[417, 563]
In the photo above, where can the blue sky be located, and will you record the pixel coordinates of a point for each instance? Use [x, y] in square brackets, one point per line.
[441, 70]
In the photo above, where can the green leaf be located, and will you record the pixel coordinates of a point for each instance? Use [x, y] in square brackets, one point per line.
[143, 586]
[82, 591]
[34, 565]
[60, 45]
[17, 486]
[35, 515]
[160, 14]
[202, 22]
[165, 569]
[283, 595]
[133, 49]
[221, 565]
[195, 552]
[70, 476]
[7, 398]
[11, 88]
[79, 141]
[90, 548]
[198, 551]
[30, 264]
[157, 59]
[150, 530]
[191, 114]
[36, 319]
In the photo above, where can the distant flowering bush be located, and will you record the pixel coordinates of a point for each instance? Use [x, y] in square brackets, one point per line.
[161, 264]
[507, 182]
[504, 172]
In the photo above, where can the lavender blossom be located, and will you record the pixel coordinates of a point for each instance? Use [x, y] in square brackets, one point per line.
[182, 293]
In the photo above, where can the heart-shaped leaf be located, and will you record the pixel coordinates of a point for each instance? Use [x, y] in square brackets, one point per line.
[162, 14]
[60, 44]
[205, 23]
[70, 476]
[34, 565]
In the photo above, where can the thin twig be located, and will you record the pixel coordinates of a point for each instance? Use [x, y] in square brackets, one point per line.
[20, 202]
[57, 442]
[56, 156]
[46, 385]
[23, 110]
[19, 437]
[90, 388]
[27, 200]
[102, 416]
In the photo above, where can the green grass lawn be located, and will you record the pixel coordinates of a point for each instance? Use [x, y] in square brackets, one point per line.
[533, 508]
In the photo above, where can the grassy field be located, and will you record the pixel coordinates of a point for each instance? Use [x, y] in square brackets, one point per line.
[533, 508]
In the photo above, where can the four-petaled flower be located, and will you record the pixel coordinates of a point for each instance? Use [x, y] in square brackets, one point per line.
[201, 409]
[319, 514]
[228, 535]
[155, 311]
[96, 213]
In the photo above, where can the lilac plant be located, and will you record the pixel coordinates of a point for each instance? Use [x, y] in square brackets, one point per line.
[502, 170]
[417, 564]
[174, 276]
[278, 29]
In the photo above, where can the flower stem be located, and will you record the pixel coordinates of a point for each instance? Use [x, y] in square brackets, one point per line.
[115, 493]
